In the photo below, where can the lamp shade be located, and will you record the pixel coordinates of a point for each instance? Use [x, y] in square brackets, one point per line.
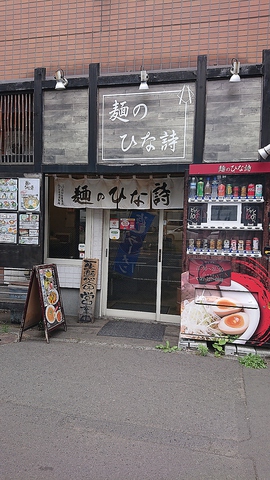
[60, 85]
[235, 78]
[265, 151]
[143, 86]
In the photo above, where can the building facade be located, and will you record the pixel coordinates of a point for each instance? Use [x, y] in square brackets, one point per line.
[99, 169]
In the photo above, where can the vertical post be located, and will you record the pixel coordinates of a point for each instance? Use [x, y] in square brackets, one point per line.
[265, 116]
[93, 116]
[200, 110]
[39, 76]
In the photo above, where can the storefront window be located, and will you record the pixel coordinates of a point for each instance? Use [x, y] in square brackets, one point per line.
[66, 229]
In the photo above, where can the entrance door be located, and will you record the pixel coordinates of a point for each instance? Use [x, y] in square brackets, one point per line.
[144, 264]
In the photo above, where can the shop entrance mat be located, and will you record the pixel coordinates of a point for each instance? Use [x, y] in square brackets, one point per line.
[129, 329]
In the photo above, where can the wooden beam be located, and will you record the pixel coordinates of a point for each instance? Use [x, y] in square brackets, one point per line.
[93, 116]
[265, 117]
[200, 110]
[39, 76]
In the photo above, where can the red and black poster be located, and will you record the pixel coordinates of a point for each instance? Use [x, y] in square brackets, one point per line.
[43, 302]
[210, 272]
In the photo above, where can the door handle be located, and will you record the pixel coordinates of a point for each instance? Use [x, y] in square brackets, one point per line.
[159, 255]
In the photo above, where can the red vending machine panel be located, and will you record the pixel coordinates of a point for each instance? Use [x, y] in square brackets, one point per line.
[225, 285]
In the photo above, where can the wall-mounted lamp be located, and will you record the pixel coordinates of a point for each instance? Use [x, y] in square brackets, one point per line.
[235, 71]
[265, 151]
[61, 81]
[144, 79]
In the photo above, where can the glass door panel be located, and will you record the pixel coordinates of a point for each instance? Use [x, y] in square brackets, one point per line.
[133, 259]
[171, 261]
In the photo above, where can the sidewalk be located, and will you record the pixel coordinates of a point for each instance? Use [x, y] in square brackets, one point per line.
[87, 333]
[84, 333]
[117, 408]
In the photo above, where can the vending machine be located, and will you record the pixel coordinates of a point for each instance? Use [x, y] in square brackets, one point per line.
[225, 279]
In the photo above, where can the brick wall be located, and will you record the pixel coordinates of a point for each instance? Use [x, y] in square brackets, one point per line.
[121, 36]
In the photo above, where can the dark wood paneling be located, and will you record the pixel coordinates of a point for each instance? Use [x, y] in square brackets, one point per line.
[265, 122]
[20, 256]
[218, 73]
[200, 110]
[171, 76]
[40, 74]
[95, 81]
[93, 116]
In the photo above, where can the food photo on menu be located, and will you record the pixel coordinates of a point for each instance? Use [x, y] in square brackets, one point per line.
[53, 311]
[29, 194]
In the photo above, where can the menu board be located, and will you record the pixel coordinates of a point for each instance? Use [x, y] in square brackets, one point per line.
[21, 196]
[28, 228]
[8, 193]
[29, 194]
[48, 280]
[8, 227]
[43, 302]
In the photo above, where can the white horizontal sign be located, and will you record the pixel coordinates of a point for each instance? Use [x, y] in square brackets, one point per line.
[134, 193]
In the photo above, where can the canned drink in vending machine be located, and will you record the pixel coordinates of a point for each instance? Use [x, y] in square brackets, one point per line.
[248, 245]
[219, 244]
[255, 244]
[251, 190]
[205, 244]
[198, 243]
[236, 191]
[191, 244]
[212, 244]
[229, 190]
[233, 245]
[243, 193]
[258, 190]
[240, 245]
[226, 244]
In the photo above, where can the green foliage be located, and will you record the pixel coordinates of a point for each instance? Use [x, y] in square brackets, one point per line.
[202, 349]
[219, 345]
[167, 348]
[4, 328]
[252, 361]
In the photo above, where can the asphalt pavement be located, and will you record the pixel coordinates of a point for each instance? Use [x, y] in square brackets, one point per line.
[105, 408]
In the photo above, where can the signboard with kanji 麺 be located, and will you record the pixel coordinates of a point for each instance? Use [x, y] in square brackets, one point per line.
[153, 126]
[88, 290]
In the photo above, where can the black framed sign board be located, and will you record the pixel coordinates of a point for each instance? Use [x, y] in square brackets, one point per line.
[43, 302]
[88, 290]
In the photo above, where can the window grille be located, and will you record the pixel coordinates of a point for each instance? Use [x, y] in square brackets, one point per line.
[16, 128]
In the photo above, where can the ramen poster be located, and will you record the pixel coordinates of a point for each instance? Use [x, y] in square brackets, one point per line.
[239, 312]
[29, 194]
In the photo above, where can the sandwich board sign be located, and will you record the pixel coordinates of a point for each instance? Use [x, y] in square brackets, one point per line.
[43, 302]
